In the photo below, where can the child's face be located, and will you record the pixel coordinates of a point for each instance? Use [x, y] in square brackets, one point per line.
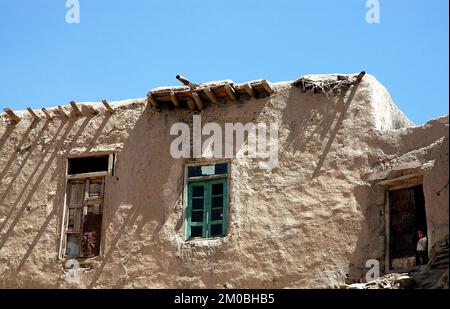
[420, 234]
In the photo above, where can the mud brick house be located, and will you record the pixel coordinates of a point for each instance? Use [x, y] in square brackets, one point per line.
[96, 183]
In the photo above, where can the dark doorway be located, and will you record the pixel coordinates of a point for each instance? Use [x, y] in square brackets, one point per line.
[407, 216]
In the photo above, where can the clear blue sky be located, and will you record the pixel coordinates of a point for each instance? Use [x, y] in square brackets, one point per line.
[122, 48]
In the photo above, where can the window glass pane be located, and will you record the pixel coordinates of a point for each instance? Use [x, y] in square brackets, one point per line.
[197, 216]
[217, 189]
[197, 203]
[221, 168]
[217, 201]
[196, 231]
[217, 214]
[197, 191]
[194, 171]
[216, 230]
[73, 246]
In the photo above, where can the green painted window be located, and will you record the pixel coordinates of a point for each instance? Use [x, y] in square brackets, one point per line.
[207, 209]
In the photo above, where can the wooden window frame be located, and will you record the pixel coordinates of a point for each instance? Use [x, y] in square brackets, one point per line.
[65, 211]
[208, 181]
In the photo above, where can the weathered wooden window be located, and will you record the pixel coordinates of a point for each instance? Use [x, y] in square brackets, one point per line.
[207, 205]
[83, 213]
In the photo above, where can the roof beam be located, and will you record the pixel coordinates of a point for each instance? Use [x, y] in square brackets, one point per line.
[33, 114]
[231, 92]
[11, 115]
[152, 100]
[75, 108]
[267, 86]
[63, 112]
[197, 100]
[211, 95]
[174, 99]
[108, 106]
[92, 110]
[248, 88]
[47, 113]
[191, 104]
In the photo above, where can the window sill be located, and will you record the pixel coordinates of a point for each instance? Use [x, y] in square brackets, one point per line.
[206, 242]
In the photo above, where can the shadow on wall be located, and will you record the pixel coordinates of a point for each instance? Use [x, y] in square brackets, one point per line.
[318, 121]
[17, 197]
[146, 192]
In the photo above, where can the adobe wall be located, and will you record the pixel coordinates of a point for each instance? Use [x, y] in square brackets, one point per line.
[309, 223]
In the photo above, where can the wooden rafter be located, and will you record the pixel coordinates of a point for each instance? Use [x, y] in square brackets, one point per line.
[92, 110]
[11, 115]
[63, 111]
[191, 104]
[231, 92]
[211, 95]
[174, 98]
[108, 106]
[47, 113]
[266, 86]
[197, 100]
[248, 88]
[152, 100]
[76, 110]
[33, 114]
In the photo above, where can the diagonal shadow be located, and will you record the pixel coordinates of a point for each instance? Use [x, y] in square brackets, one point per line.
[132, 216]
[335, 130]
[18, 147]
[36, 239]
[40, 177]
[6, 134]
[24, 161]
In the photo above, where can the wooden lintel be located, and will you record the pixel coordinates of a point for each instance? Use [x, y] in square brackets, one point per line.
[211, 95]
[47, 113]
[33, 114]
[63, 111]
[152, 100]
[174, 98]
[197, 100]
[267, 86]
[248, 88]
[191, 104]
[400, 179]
[76, 110]
[11, 115]
[231, 92]
[108, 106]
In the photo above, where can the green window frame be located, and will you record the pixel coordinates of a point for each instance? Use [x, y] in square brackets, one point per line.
[207, 209]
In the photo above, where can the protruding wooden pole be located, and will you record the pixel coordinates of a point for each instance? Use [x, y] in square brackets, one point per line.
[75, 108]
[92, 110]
[197, 100]
[360, 76]
[63, 111]
[248, 88]
[211, 95]
[33, 114]
[47, 113]
[267, 86]
[108, 106]
[174, 98]
[230, 91]
[11, 115]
